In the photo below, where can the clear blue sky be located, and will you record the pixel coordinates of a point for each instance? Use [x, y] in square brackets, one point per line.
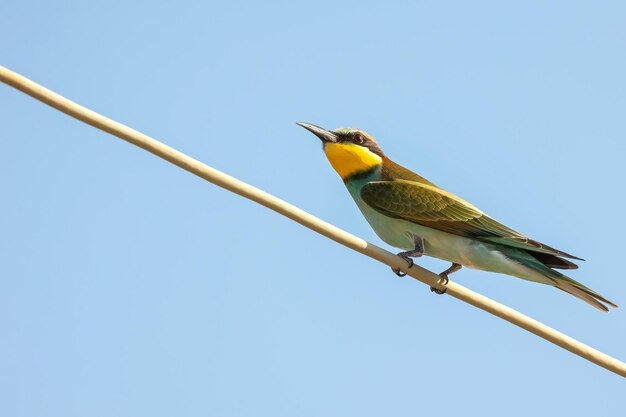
[129, 287]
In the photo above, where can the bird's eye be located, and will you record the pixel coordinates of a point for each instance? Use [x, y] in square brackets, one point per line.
[359, 139]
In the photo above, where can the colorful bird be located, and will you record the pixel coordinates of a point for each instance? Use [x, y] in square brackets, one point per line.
[409, 212]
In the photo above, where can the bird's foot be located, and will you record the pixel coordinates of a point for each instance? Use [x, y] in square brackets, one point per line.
[397, 270]
[444, 276]
[437, 291]
[416, 252]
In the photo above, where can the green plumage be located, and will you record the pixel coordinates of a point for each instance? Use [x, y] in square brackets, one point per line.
[401, 206]
[433, 207]
[401, 194]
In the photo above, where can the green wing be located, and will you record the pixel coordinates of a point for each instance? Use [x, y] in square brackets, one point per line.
[430, 206]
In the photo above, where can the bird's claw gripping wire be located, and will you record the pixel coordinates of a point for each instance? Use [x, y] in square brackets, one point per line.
[444, 275]
[397, 270]
[417, 251]
[445, 282]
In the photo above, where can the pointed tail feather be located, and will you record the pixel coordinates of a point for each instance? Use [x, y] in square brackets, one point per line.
[542, 265]
[580, 291]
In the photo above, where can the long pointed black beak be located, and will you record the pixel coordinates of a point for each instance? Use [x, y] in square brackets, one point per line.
[323, 134]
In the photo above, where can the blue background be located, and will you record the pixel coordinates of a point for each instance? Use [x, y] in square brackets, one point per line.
[130, 287]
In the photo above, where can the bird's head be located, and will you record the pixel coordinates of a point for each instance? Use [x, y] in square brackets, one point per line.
[349, 151]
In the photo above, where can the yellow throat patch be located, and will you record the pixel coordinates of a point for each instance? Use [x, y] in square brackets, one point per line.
[349, 159]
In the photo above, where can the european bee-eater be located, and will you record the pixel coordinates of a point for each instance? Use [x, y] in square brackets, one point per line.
[409, 212]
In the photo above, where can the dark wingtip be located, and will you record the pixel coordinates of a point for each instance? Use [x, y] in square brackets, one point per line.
[551, 249]
[552, 261]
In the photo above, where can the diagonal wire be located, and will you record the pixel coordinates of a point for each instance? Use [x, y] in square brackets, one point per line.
[296, 214]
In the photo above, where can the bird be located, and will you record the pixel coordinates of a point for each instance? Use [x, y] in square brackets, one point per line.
[409, 212]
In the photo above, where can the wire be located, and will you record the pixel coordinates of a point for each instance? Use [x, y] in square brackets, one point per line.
[223, 180]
